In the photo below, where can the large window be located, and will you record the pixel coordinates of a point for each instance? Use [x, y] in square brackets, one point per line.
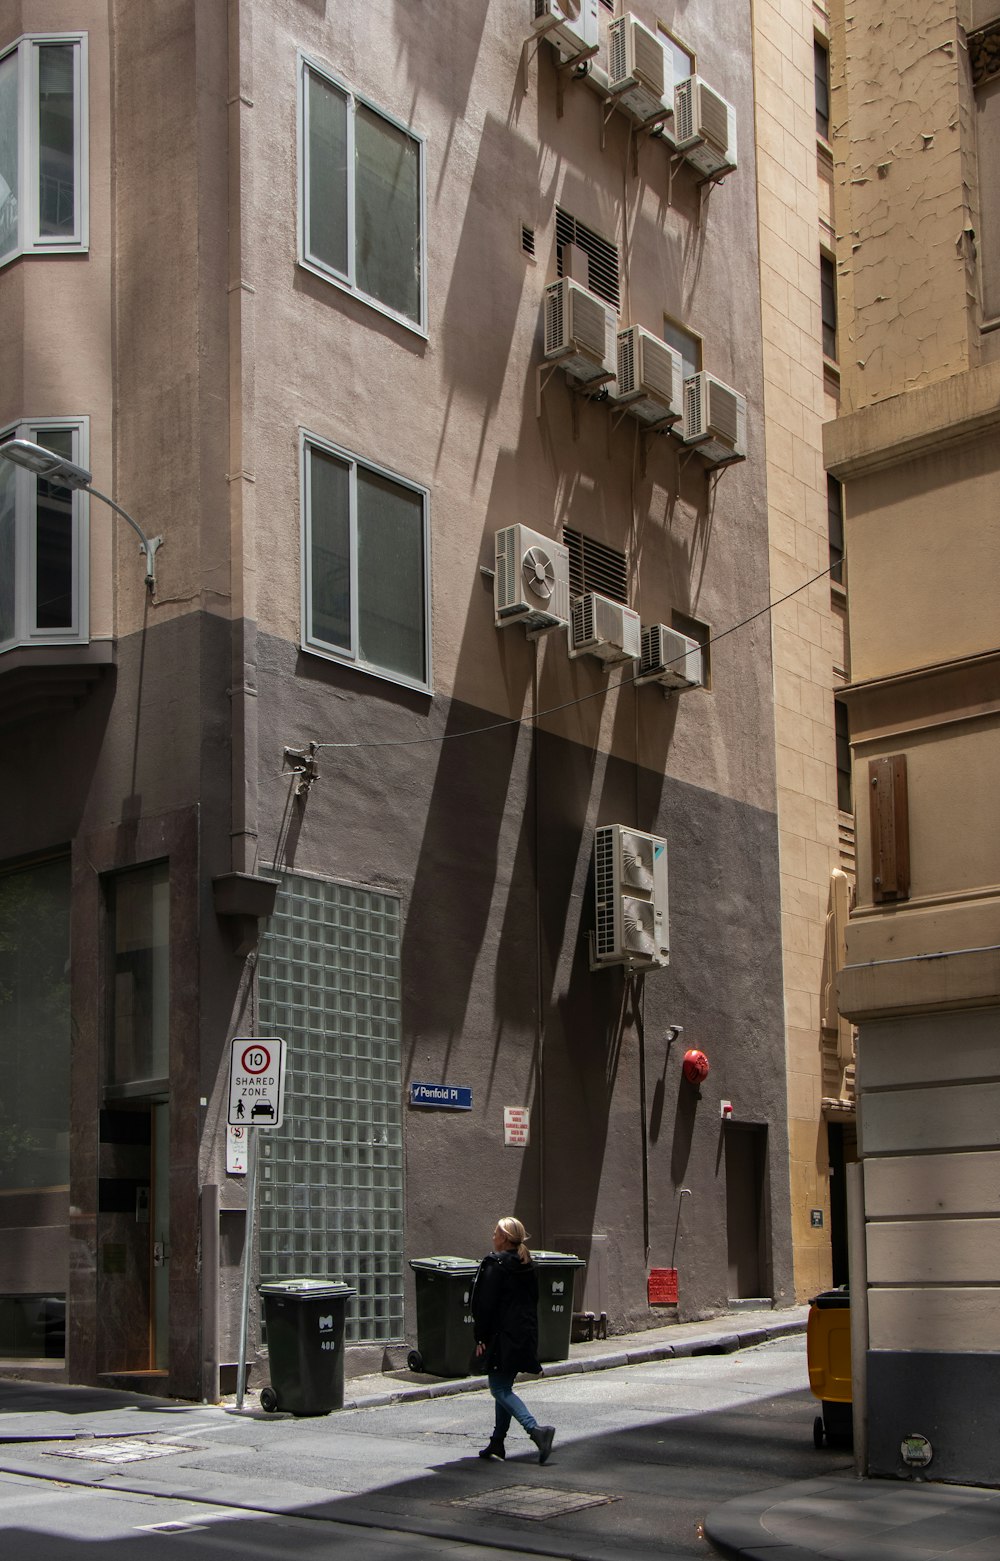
[828, 305]
[138, 942]
[366, 566]
[361, 197]
[43, 552]
[43, 145]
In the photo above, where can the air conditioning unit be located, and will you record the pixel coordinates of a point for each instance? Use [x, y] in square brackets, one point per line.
[715, 420]
[603, 628]
[630, 884]
[650, 383]
[669, 658]
[640, 70]
[704, 128]
[531, 583]
[580, 331]
[574, 25]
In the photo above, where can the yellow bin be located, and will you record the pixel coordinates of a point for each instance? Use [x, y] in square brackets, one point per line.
[828, 1353]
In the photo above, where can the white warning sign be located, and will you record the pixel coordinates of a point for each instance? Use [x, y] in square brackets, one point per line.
[515, 1126]
[256, 1083]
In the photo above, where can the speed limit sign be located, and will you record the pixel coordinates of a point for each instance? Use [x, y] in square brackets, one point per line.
[256, 1082]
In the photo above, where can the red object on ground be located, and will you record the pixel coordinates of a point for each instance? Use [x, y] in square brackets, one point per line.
[661, 1287]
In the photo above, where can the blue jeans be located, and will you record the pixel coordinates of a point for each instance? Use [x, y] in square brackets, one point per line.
[508, 1405]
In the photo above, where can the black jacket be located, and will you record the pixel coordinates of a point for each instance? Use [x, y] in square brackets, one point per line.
[505, 1313]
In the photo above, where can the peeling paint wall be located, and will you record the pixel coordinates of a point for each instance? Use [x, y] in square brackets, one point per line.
[906, 204]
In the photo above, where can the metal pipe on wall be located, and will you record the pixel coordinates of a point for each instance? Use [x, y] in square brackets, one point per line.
[858, 1270]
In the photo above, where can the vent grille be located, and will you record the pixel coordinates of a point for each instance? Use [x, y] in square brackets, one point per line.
[658, 370]
[693, 421]
[593, 566]
[724, 411]
[626, 362]
[590, 323]
[528, 240]
[555, 322]
[713, 114]
[584, 629]
[604, 878]
[602, 256]
[684, 111]
[648, 60]
[651, 659]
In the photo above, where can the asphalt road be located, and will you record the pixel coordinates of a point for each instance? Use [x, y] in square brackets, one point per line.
[642, 1454]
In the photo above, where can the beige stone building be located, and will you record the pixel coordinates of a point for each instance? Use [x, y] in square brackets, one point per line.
[915, 115]
[809, 639]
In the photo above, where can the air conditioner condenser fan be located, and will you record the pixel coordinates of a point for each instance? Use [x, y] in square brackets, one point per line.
[539, 572]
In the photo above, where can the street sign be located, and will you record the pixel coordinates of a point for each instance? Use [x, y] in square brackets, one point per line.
[453, 1097]
[256, 1082]
[237, 1143]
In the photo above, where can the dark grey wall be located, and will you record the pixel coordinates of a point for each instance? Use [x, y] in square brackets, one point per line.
[488, 840]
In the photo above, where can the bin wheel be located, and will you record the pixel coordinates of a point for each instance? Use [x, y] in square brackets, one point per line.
[415, 1360]
[819, 1431]
[268, 1400]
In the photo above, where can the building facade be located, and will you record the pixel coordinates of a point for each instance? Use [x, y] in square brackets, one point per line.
[916, 448]
[810, 649]
[329, 298]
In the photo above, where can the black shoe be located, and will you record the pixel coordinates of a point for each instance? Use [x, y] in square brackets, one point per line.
[493, 1449]
[543, 1437]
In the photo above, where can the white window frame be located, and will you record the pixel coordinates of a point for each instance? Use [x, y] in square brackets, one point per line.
[30, 241]
[309, 262]
[26, 630]
[317, 647]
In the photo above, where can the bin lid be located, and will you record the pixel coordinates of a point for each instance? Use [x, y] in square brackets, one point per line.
[832, 1298]
[564, 1259]
[444, 1265]
[305, 1287]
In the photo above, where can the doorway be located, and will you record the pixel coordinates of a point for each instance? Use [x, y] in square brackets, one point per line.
[133, 1238]
[746, 1160]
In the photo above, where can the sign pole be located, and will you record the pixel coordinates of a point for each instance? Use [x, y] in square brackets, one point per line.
[248, 1250]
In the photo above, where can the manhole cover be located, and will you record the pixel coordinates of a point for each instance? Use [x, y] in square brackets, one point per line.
[532, 1501]
[122, 1449]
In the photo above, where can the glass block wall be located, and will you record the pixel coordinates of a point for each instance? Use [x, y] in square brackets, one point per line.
[331, 1177]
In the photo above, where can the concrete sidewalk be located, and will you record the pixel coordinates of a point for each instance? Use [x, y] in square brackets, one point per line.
[832, 1518]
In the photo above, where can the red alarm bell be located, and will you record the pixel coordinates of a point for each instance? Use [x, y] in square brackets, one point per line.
[695, 1066]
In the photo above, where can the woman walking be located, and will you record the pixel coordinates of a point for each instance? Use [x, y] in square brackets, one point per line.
[505, 1317]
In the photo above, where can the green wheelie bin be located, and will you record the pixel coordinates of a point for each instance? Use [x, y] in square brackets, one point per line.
[305, 1344]
[445, 1336]
[556, 1277]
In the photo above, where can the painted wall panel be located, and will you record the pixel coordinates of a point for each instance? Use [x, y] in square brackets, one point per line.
[922, 1050]
[935, 1184]
[952, 1319]
[933, 1252]
[957, 1117]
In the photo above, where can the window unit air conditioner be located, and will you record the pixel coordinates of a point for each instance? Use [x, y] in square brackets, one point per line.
[715, 420]
[531, 583]
[574, 25]
[704, 128]
[669, 658]
[580, 331]
[603, 628]
[630, 884]
[640, 70]
[650, 383]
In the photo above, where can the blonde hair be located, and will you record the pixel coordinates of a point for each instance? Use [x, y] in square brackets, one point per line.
[516, 1235]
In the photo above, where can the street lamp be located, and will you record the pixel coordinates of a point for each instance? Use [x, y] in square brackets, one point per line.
[44, 463]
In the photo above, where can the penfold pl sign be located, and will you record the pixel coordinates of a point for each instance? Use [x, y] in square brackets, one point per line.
[515, 1127]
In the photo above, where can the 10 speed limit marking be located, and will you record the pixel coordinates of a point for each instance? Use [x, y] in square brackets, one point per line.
[256, 1082]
